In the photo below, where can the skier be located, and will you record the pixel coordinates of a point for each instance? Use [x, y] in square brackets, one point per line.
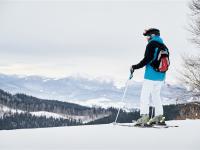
[156, 60]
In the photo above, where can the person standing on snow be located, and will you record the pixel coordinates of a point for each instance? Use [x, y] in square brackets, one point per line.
[156, 61]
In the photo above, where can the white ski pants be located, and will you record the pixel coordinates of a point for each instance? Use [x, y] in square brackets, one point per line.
[151, 89]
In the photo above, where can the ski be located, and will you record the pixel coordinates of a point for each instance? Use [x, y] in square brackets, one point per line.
[151, 126]
[164, 126]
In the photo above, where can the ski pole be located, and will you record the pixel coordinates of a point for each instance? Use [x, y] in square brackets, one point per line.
[123, 97]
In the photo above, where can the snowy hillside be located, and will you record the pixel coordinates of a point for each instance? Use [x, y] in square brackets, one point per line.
[104, 137]
[5, 109]
[84, 118]
[83, 90]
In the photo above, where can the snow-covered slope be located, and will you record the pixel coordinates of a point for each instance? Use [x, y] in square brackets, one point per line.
[5, 109]
[84, 90]
[84, 118]
[104, 137]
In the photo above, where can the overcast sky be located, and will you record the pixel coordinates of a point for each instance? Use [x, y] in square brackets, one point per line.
[99, 38]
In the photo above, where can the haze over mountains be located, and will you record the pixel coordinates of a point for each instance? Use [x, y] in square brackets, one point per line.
[84, 90]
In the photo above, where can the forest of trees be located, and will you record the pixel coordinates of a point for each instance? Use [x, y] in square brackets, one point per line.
[26, 120]
[27, 104]
[171, 112]
[32, 104]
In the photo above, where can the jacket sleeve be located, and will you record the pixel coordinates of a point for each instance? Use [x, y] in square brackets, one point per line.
[148, 56]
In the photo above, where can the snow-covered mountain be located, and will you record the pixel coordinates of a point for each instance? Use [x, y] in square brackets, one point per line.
[105, 137]
[85, 91]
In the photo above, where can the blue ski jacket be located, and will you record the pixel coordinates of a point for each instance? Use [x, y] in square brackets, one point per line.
[149, 55]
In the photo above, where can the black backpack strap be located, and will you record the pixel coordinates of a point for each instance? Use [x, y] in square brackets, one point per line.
[161, 46]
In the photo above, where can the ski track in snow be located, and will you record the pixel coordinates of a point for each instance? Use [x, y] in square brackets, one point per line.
[104, 137]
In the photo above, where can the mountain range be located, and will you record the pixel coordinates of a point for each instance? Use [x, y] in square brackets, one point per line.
[86, 91]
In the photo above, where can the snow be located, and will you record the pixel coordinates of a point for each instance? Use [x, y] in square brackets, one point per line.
[84, 118]
[87, 90]
[104, 137]
[47, 114]
[107, 103]
[7, 109]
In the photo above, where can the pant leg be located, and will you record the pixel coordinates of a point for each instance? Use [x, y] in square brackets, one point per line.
[145, 97]
[156, 97]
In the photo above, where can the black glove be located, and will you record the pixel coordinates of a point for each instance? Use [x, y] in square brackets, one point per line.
[132, 69]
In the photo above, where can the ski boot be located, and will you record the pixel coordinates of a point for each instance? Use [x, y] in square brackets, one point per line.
[157, 120]
[142, 122]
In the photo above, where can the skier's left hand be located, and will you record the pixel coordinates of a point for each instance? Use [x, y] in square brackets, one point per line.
[131, 76]
[132, 69]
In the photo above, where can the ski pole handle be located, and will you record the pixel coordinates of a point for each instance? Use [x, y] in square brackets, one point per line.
[131, 76]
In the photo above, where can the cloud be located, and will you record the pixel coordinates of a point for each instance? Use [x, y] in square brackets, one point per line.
[97, 38]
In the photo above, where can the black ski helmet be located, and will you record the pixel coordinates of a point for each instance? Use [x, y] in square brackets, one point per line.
[151, 31]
